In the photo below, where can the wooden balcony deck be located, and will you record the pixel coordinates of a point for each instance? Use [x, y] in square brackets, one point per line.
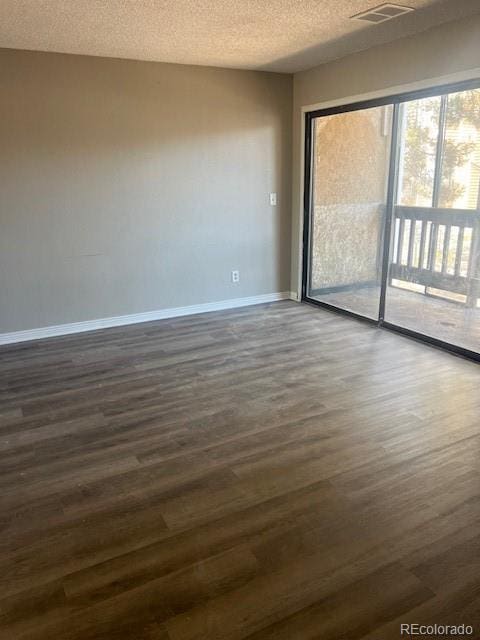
[436, 317]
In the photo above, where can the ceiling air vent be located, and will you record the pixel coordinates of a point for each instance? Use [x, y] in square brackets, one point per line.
[382, 13]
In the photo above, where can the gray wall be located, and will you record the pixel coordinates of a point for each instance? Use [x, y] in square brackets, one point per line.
[133, 186]
[452, 48]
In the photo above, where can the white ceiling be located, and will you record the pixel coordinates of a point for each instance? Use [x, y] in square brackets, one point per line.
[275, 35]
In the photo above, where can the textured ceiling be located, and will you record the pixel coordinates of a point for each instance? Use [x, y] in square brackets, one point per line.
[275, 35]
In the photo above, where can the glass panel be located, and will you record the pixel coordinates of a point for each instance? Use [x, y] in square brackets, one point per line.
[351, 154]
[460, 171]
[418, 135]
[434, 279]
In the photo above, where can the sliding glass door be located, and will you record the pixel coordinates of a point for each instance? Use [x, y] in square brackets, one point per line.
[433, 285]
[350, 160]
[392, 213]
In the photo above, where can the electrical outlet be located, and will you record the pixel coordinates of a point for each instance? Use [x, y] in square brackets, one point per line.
[273, 199]
[235, 276]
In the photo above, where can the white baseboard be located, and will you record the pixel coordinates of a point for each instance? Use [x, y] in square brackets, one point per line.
[134, 318]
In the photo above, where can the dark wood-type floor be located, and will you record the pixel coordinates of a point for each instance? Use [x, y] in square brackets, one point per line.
[272, 473]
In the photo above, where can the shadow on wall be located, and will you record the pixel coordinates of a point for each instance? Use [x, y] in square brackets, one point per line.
[362, 36]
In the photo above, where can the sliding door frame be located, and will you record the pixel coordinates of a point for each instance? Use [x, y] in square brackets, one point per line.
[395, 100]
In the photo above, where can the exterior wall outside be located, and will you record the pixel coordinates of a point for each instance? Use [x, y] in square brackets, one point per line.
[351, 154]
